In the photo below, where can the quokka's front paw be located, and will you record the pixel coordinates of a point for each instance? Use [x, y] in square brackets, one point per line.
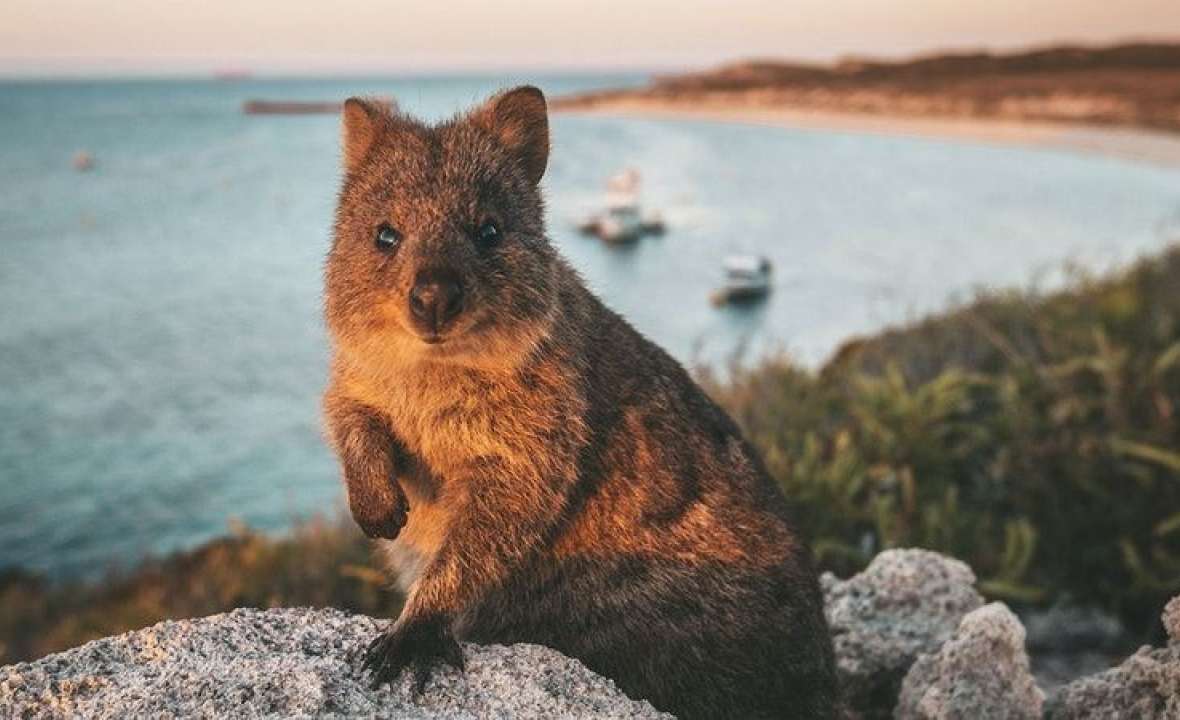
[379, 517]
[420, 645]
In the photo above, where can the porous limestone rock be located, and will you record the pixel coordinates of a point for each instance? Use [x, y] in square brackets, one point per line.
[296, 663]
[981, 673]
[905, 603]
[1145, 687]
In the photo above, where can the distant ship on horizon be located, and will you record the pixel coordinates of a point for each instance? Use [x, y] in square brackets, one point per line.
[232, 74]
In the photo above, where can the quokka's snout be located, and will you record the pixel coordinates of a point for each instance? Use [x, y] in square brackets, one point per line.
[435, 300]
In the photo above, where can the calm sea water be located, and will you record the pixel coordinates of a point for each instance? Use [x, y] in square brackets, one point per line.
[161, 348]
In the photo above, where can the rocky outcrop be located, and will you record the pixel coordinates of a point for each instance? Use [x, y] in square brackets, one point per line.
[907, 602]
[1145, 687]
[981, 673]
[295, 663]
[913, 641]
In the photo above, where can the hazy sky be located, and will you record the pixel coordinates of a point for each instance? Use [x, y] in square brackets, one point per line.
[88, 36]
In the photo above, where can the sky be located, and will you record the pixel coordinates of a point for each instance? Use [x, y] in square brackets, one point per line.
[292, 36]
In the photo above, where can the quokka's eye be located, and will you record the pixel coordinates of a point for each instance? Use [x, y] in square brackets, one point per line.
[387, 238]
[488, 232]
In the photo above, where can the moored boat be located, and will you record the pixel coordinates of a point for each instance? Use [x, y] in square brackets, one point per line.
[623, 221]
[747, 280]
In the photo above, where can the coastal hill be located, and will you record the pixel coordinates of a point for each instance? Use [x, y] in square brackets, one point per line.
[1127, 85]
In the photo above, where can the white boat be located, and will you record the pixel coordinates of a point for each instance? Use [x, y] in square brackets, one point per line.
[623, 221]
[747, 280]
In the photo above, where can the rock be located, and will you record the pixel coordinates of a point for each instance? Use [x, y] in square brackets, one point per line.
[1067, 641]
[1067, 627]
[981, 673]
[1056, 670]
[295, 662]
[1171, 618]
[905, 603]
[1145, 687]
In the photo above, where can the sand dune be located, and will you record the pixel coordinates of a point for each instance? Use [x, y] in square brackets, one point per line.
[1133, 144]
[1122, 100]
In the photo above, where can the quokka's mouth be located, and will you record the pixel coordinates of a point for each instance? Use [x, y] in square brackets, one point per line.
[453, 335]
[440, 341]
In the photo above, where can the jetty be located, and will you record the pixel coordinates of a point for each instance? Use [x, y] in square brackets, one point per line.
[305, 107]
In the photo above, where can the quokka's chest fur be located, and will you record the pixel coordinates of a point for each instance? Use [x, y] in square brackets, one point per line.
[520, 413]
[450, 417]
[525, 424]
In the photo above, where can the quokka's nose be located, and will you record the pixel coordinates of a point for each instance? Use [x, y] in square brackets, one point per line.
[435, 299]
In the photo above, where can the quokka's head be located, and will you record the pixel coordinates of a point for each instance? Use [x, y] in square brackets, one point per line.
[440, 247]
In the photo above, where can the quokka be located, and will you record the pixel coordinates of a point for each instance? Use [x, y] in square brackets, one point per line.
[538, 471]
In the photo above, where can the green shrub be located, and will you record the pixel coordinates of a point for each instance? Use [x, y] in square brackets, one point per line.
[319, 564]
[1035, 437]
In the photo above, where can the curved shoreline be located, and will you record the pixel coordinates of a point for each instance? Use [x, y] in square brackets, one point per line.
[1150, 147]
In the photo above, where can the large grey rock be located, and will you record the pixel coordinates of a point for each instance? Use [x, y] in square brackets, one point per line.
[981, 673]
[295, 663]
[1145, 687]
[905, 603]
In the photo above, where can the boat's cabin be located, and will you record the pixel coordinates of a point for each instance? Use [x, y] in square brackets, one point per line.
[747, 266]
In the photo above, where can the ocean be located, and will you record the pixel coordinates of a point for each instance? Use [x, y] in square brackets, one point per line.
[161, 345]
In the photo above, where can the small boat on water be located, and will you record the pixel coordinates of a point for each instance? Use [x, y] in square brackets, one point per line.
[747, 280]
[302, 107]
[621, 224]
[623, 221]
[83, 161]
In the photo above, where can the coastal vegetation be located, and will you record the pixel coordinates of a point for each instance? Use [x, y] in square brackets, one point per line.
[320, 563]
[1136, 85]
[1034, 435]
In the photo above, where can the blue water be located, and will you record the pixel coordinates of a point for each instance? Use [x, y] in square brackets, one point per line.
[161, 348]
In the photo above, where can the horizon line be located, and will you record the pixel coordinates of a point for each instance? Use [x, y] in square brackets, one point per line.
[123, 68]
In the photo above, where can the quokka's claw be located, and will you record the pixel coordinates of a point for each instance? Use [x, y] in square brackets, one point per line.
[421, 646]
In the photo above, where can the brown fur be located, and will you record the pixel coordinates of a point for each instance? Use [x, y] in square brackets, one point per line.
[540, 471]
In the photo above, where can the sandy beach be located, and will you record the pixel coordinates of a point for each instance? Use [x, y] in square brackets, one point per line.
[1131, 144]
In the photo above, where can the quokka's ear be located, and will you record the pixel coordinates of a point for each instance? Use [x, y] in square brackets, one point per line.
[520, 119]
[363, 124]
